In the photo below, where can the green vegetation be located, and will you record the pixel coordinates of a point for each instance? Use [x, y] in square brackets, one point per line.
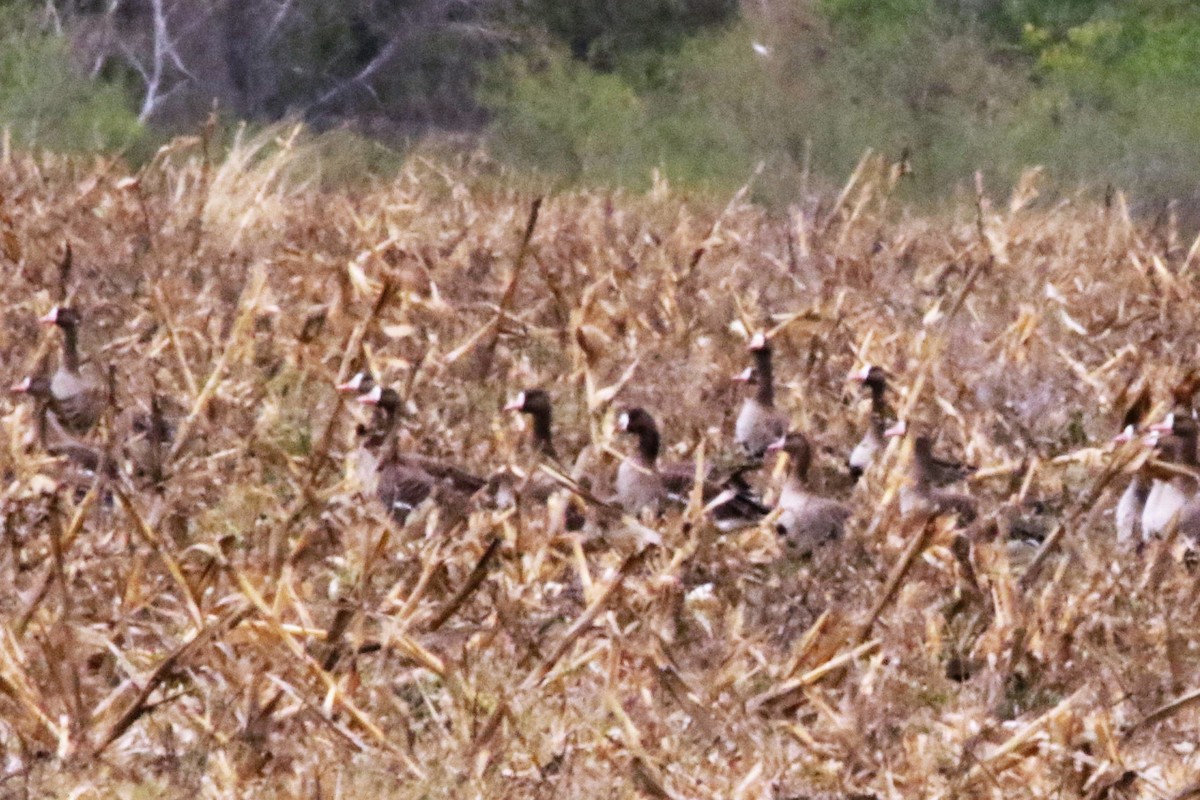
[46, 101]
[1098, 92]
[702, 91]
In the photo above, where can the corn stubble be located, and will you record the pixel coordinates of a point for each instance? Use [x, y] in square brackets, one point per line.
[249, 624]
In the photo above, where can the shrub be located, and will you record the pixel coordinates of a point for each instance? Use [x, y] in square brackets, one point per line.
[45, 101]
[1096, 92]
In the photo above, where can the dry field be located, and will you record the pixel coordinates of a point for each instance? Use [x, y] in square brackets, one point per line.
[255, 627]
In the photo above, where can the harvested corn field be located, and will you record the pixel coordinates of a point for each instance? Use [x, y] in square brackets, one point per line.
[210, 593]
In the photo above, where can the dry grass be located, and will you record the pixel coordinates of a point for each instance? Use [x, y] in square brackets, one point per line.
[258, 629]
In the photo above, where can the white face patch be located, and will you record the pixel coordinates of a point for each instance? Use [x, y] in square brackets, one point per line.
[372, 397]
[623, 421]
[745, 376]
[519, 402]
[758, 341]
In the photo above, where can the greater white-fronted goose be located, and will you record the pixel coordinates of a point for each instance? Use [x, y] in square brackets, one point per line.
[1169, 494]
[360, 384]
[1128, 515]
[76, 402]
[537, 485]
[403, 480]
[806, 519]
[759, 423]
[873, 379]
[640, 485]
[643, 483]
[535, 403]
[51, 435]
[926, 472]
[1184, 433]
[373, 434]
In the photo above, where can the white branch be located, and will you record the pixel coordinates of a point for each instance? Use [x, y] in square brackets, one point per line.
[156, 61]
[164, 49]
[363, 75]
[280, 15]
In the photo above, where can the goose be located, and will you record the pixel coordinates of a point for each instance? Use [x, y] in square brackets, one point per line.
[642, 483]
[758, 423]
[1168, 495]
[926, 473]
[1132, 504]
[539, 486]
[76, 402]
[535, 403]
[53, 438]
[403, 481]
[863, 455]
[807, 519]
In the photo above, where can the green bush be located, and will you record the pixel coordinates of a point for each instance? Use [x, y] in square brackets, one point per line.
[718, 108]
[46, 102]
[607, 33]
[561, 117]
[1097, 92]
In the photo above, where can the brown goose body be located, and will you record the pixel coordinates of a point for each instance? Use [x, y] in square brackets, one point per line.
[807, 520]
[404, 481]
[926, 471]
[758, 422]
[76, 402]
[643, 483]
[52, 436]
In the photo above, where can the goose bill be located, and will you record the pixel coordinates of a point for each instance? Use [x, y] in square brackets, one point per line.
[353, 385]
[860, 375]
